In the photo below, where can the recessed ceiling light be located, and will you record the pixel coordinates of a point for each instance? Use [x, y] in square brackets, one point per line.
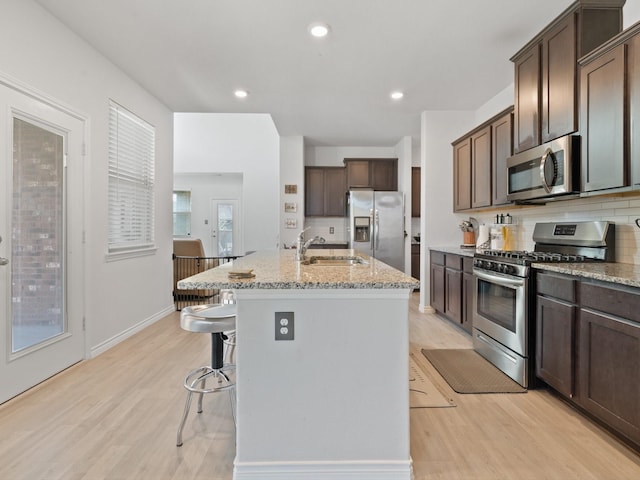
[319, 29]
[241, 93]
[397, 95]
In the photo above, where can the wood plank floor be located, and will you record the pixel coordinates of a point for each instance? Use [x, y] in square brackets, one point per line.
[115, 417]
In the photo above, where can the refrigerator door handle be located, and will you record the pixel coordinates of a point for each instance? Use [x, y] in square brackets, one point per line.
[376, 228]
[372, 227]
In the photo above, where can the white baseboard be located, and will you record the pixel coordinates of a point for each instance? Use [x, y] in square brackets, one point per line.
[339, 470]
[426, 308]
[116, 339]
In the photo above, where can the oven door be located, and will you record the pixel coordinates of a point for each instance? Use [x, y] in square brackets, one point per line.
[500, 307]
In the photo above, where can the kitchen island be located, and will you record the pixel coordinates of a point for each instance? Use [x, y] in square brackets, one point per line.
[333, 402]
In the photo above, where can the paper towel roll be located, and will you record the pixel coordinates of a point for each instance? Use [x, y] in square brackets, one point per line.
[483, 235]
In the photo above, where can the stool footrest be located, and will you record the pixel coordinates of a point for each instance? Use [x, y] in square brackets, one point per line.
[200, 374]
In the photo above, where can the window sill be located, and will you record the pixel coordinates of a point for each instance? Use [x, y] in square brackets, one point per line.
[127, 254]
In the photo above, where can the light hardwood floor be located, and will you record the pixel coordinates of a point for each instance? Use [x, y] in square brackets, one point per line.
[115, 417]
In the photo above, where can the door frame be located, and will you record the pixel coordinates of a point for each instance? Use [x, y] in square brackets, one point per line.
[75, 277]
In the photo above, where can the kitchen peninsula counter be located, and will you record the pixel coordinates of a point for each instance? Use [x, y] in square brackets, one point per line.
[333, 402]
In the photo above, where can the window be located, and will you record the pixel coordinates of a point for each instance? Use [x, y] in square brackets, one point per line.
[181, 213]
[131, 181]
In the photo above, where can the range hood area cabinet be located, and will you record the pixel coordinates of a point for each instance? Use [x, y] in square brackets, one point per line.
[546, 81]
[610, 115]
[480, 164]
[325, 191]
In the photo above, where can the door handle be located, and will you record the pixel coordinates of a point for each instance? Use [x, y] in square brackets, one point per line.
[4, 261]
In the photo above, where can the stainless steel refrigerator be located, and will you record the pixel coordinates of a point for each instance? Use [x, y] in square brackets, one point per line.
[376, 225]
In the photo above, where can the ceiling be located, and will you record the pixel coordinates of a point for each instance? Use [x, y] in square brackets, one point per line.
[193, 54]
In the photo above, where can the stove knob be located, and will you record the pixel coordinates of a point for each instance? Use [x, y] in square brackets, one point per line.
[509, 270]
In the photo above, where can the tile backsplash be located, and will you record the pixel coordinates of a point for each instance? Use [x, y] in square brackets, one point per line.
[322, 227]
[621, 209]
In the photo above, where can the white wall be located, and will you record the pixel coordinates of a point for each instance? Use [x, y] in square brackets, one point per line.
[205, 187]
[38, 51]
[334, 156]
[291, 173]
[236, 143]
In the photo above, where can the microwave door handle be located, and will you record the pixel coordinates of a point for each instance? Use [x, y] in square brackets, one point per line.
[543, 162]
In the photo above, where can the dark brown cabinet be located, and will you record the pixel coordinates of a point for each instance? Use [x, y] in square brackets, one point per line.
[449, 296]
[325, 192]
[375, 173]
[468, 288]
[415, 261]
[602, 121]
[501, 150]
[462, 175]
[555, 331]
[415, 192]
[588, 347]
[481, 168]
[608, 357]
[546, 87]
[480, 164]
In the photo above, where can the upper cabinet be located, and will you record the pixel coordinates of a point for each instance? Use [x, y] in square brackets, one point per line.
[609, 109]
[325, 191]
[546, 81]
[375, 173]
[480, 164]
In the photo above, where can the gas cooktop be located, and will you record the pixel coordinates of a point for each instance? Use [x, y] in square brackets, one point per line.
[524, 257]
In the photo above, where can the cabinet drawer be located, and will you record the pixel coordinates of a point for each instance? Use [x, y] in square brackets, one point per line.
[557, 286]
[610, 300]
[453, 261]
[437, 258]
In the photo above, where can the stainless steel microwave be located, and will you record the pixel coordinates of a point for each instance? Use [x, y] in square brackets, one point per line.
[548, 170]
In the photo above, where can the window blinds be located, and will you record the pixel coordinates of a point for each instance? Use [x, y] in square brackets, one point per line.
[131, 181]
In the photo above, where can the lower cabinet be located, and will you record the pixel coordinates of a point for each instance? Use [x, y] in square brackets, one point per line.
[450, 287]
[468, 287]
[415, 261]
[588, 348]
[555, 326]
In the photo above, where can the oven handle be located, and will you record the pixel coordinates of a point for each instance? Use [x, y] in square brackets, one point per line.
[499, 279]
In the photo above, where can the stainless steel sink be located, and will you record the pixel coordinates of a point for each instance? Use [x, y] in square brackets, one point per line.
[335, 261]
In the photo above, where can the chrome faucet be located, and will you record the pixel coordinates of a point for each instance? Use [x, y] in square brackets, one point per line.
[302, 246]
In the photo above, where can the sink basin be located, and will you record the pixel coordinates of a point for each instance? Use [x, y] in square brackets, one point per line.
[337, 261]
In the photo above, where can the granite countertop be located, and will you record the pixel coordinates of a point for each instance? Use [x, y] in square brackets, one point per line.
[621, 273]
[456, 249]
[279, 269]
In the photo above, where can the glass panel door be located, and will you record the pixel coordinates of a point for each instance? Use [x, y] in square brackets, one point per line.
[224, 229]
[41, 253]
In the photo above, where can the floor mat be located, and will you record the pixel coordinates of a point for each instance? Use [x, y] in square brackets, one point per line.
[468, 372]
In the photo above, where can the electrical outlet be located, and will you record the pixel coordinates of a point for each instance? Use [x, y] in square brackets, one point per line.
[284, 325]
[331, 230]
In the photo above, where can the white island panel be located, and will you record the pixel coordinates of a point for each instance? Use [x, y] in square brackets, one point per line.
[332, 403]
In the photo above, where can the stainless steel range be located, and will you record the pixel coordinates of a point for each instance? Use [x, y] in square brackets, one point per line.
[504, 297]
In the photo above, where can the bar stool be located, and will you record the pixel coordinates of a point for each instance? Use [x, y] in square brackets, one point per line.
[215, 319]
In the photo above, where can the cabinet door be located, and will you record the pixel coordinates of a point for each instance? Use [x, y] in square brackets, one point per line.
[415, 191]
[602, 121]
[633, 79]
[559, 85]
[501, 149]
[415, 261]
[453, 300]
[555, 323]
[384, 175]
[335, 192]
[437, 287]
[481, 168]
[462, 175]
[608, 373]
[314, 192]
[527, 100]
[358, 174]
